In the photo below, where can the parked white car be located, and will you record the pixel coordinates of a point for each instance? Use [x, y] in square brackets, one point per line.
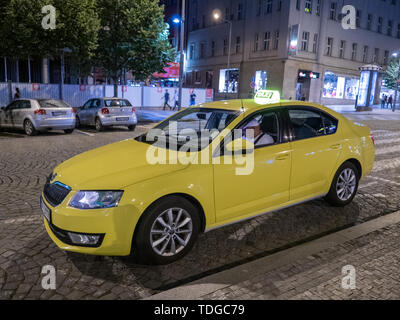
[35, 115]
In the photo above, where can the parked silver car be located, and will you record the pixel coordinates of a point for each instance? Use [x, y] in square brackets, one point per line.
[34, 115]
[107, 112]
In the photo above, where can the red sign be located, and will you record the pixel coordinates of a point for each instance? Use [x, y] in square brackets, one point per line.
[209, 93]
[124, 89]
[82, 87]
[172, 71]
[36, 86]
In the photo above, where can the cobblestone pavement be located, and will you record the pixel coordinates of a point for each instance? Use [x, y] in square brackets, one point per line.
[375, 258]
[25, 247]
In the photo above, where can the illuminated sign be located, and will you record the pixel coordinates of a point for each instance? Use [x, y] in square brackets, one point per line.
[294, 36]
[308, 74]
[267, 97]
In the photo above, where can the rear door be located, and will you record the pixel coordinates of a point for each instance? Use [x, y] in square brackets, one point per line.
[316, 145]
[7, 117]
[21, 112]
[83, 113]
[95, 107]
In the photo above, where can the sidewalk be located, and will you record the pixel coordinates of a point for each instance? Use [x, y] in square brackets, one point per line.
[313, 270]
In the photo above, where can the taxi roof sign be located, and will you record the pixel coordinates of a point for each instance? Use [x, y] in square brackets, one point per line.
[267, 97]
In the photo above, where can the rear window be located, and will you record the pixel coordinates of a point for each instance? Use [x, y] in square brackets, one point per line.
[47, 104]
[117, 103]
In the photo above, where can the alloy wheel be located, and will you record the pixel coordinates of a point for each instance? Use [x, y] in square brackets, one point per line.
[346, 184]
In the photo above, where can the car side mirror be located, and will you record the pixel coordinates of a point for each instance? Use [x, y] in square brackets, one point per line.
[240, 146]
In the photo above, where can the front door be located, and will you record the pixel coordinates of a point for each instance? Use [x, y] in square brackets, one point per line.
[267, 186]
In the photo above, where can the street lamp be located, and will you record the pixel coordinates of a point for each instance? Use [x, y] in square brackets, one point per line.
[396, 56]
[217, 17]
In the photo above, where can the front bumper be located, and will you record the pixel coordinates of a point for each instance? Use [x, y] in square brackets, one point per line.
[114, 225]
[54, 123]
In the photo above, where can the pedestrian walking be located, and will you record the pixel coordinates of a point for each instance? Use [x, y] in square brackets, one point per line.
[193, 99]
[386, 98]
[176, 100]
[390, 102]
[166, 100]
[17, 94]
[383, 101]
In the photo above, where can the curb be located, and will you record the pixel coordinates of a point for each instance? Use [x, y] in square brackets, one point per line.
[210, 284]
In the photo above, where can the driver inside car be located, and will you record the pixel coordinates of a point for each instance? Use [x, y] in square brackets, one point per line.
[259, 137]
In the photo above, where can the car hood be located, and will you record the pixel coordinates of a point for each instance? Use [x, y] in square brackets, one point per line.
[112, 167]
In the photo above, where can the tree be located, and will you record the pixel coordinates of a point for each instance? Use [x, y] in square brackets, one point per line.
[22, 33]
[132, 37]
[392, 74]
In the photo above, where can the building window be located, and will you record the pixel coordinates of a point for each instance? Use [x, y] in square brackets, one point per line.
[318, 8]
[308, 6]
[390, 28]
[227, 14]
[198, 77]
[202, 50]
[256, 41]
[376, 56]
[358, 19]
[338, 87]
[354, 52]
[276, 42]
[191, 51]
[333, 11]
[315, 43]
[212, 48]
[268, 7]
[267, 40]
[304, 41]
[225, 49]
[259, 7]
[279, 5]
[386, 57]
[342, 49]
[380, 24]
[298, 4]
[369, 22]
[228, 80]
[329, 46]
[365, 54]
[398, 31]
[240, 11]
[238, 45]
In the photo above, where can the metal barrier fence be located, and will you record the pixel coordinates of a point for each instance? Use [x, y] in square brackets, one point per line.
[77, 95]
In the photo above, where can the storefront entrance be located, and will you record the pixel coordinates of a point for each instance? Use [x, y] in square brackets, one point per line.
[303, 89]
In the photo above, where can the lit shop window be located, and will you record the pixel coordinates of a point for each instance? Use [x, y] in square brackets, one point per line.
[228, 80]
[340, 87]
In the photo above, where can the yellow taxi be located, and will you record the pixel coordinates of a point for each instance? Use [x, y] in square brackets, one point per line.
[203, 168]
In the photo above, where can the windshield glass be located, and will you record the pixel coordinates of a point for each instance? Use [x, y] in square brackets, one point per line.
[117, 103]
[193, 127]
[50, 103]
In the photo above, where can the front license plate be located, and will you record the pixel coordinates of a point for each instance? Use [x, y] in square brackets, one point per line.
[45, 210]
[122, 119]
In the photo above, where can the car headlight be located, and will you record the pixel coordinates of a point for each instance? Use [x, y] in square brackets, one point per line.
[96, 199]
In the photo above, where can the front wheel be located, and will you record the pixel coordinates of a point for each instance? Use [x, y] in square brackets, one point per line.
[132, 128]
[344, 185]
[167, 232]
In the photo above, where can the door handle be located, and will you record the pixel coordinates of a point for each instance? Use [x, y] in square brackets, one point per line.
[282, 157]
[336, 146]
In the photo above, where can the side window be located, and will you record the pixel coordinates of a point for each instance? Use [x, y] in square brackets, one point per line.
[87, 105]
[14, 105]
[306, 123]
[262, 129]
[96, 103]
[330, 124]
[25, 104]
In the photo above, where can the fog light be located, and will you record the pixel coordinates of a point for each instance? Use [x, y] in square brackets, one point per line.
[83, 239]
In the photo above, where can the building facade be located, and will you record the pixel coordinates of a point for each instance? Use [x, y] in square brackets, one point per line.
[298, 47]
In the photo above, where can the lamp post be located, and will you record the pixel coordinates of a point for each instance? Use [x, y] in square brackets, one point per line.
[397, 56]
[218, 17]
[181, 53]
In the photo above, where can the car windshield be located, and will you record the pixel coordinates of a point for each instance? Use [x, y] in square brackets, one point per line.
[117, 103]
[193, 127]
[50, 103]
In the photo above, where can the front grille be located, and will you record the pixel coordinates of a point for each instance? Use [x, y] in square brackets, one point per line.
[55, 193]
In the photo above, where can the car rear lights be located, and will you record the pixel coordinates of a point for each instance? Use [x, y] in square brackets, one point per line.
[73, 110]
[105, 111]
[372, 138]
[133, 110]
[41, 112]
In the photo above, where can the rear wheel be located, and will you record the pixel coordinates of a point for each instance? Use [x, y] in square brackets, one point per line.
[29, 128]
[99, 125]
[68, 131]
[344, 185]
[132, 128]
[167, 232]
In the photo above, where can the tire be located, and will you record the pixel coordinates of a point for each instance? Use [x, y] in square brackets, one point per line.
[98, 125]
[77, 123]
[29, 128]
[144, 244]
[132, 128]
[68, 131]
[348, 177]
